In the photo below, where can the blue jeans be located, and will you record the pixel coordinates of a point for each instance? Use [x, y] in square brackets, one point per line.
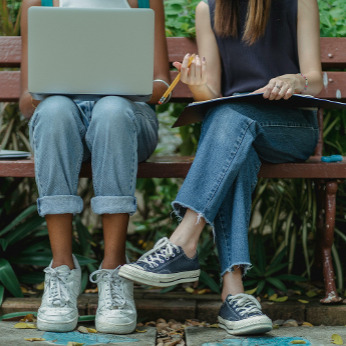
[235, 139]
[114, 132]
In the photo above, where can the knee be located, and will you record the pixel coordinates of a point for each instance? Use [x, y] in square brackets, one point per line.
[54, 111]
[113, 113]
[55, 118]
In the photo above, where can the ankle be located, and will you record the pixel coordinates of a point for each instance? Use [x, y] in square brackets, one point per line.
[112, 264]
[60, 262]
[188, 247]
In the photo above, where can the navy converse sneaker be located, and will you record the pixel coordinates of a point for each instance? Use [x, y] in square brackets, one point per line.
[165, 265]
[242, 314]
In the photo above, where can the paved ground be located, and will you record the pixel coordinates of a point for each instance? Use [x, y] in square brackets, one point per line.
[9, 336]
[195, 336]
[315, 336]
[152, 305]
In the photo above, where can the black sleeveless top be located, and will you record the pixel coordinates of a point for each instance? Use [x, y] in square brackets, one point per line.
[247, 68]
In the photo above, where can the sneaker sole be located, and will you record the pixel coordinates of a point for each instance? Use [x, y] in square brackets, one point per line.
[159, 280]
[56, 326]
[251, 325]
[112, 328]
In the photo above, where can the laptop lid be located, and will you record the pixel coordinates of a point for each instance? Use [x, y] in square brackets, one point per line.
[87, 53]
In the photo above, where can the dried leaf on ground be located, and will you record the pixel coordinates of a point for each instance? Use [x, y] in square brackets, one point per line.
[311, 293]
[337, 339]
[28, 318]
[307, 324]
[40, 286]
[74, 343]
[275, 298]
[303, 301]
[251, 291]
[189, 290]
[86, 330]
[34, 339]
[297, 342]
[23, 325]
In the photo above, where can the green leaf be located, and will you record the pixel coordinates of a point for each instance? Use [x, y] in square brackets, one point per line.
[30, 210]
[9, 279]
[2, 293]
[209, 281]
[290, 277]
[17, 314]
[277, 283]
[168, 289]
[24, 229]
[86, 318]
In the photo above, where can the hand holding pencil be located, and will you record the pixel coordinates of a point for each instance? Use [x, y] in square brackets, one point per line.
[175, 82]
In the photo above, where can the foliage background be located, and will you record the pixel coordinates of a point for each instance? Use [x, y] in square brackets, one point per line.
[282, 232]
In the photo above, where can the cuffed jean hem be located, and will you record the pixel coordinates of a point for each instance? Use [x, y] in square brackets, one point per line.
[179, 210]
[114, 205]
[60, 204]
[245, 267]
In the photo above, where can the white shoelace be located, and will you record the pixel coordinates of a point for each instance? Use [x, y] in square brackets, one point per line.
[162, 250]
[58, 292]
[113, 287]
[245, 303]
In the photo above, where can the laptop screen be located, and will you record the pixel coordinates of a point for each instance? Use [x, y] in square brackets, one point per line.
[87, 53]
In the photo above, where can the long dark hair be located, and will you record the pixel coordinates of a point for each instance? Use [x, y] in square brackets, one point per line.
[226, 19]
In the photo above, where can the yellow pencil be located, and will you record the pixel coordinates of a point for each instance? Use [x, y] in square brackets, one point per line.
[174, 83]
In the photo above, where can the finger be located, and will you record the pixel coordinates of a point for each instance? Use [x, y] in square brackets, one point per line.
[184, 68]
[268, 89]
[282, 92]
[261, 90]
[192, 70]
[275, 93]
[289, 93]
[177, 65]
[204, 70]
[198, 69]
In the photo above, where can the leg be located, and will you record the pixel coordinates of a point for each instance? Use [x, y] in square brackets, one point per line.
[120, 134]
[224, 145]
[56, 135]
[114, 233]
[60, 238]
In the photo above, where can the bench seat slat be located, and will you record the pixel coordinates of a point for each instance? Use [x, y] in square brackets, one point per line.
[177, 167]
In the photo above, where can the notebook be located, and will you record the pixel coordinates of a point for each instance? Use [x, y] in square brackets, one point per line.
[195, 112]
[88, 53]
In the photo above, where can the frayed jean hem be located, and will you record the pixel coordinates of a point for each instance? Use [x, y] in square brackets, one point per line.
[245, 267]
[114, 205]
[179, 210]
[60, 204]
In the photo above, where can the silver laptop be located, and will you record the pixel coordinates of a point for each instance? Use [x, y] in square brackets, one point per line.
[89, 53]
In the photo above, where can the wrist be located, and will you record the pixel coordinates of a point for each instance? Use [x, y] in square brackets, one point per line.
[304, 81]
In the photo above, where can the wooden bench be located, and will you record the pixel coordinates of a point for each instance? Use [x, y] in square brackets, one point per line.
[326, 175]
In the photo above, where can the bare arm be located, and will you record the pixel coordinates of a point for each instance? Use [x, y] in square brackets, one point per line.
[308, 37]
[204, 75]
[26, 104]
[161, 65]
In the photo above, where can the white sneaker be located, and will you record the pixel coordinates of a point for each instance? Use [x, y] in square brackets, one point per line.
[58, 311]
[116, 312]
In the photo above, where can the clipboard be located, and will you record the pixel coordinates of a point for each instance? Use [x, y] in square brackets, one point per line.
[194, 112]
